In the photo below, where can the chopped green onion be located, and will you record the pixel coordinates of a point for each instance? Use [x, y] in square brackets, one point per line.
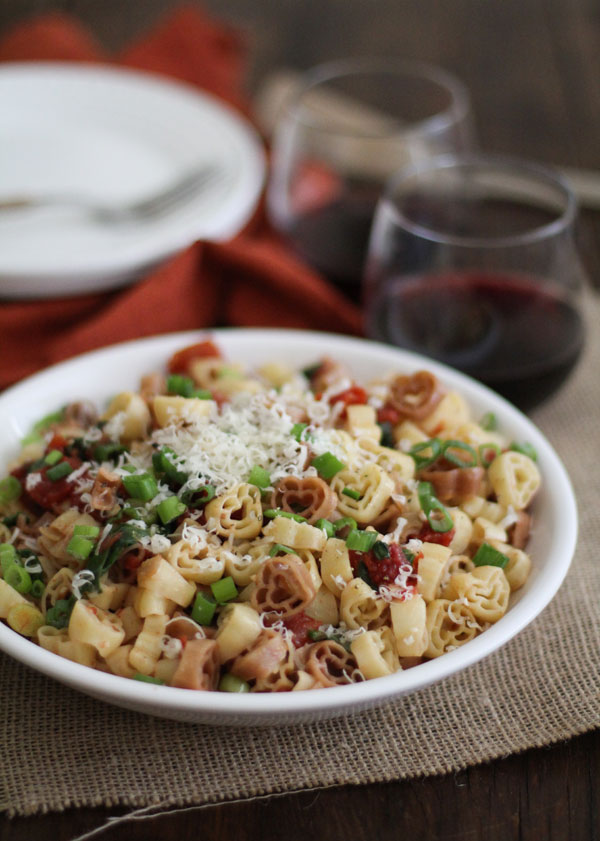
[363, 572]
[361, 541]
[326, 526]
[432, 447]
[198, 496]
[311, 370]
[37, 589]
[525, 449]
[8, 556]
[327, 465]
[204, 608]
[224, 590]
[18, 578]
[86, 531]
[353, 494]
[53, 457]
[80, 547]
[59, 615]
[59, 471]
[202, 394]
[259, 477]
[489, 422]
[231, 683]
[316, 636]
[387, 434]
[343, 522]
[180, 384]
[437, 516]
[141, 486]
[162, 463]
[297, 430]
[381, 550]
[107, 452]
[48, 420]
[459, 453]
[169, 509]
[487, 556]
[278, 549]
[271, 513]
[148, 679]
[484, 453]
[10, 489]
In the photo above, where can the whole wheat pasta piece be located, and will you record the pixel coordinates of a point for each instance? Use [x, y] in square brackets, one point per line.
[456, 485]
[415, 396]
[330, 664]
[267, 653]
[199, 666]
[104, 491]
[283, 586]
[310, 497]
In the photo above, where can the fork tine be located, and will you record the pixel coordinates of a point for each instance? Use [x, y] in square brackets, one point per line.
[176, 193]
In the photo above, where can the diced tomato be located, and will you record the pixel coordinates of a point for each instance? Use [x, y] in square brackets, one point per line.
[47, 493]
[388, 414]
[300, 624]
[355, 395]
[428, 535]
[180, 362]
[57, 442]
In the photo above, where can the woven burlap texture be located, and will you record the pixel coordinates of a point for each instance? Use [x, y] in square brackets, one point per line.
[61, 749]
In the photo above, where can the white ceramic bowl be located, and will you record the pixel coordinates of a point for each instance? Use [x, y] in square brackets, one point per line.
[100, 374]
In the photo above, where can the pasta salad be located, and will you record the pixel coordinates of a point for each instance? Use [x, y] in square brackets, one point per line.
[263, 531]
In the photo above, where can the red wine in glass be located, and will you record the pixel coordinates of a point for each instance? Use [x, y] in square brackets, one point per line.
[517, 334]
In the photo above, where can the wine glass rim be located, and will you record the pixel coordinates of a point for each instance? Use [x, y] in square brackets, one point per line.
[454, 113]
[515, 166]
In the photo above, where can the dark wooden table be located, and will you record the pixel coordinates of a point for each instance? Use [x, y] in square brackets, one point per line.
[533, 69]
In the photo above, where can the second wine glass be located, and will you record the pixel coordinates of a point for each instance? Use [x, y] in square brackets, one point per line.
[350, 125]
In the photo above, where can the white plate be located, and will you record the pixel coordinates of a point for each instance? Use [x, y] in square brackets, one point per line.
[102, 373]
[117, 136]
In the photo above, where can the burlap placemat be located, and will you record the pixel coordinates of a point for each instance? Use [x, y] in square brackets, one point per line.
[61, 749]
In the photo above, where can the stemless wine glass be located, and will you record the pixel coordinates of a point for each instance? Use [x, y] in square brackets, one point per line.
[347, 129]
[472, 261]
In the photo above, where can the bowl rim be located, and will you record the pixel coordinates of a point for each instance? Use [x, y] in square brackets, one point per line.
[170, 701]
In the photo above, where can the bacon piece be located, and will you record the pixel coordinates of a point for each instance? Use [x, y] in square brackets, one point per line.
[199, 666]
[104, 491]
[456, 485]
[330, 664]
[81, 414]
[265, 656]
[283, 586]
[416, 396]
[311, 497]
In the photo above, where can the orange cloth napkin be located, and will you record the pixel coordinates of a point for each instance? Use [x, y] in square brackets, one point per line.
[252, 280]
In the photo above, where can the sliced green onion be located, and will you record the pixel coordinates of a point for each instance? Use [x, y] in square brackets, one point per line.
[381, 550]
[79, 547]
[37, 588]
[353, 494]
[387, 434]
[224, 590]
[204, 608]
[10, 489]
[343, 522]
[53, 457]
[86, 531]
[484, 453]
[327, 465]
[259, 477]
[316, 636]
[59, 615]
[202, 394]
[489, 422]
[525, 449]
[437, 516]
[18, 578]
[231, 683]
[162, 463]
[107, 452]
[279, 549]
[326, 526]
[432, 448]
[48, 420]
[198, 496]
[297, 430]
[311, 370]
[361, 541]
[180, 384]
[8, 556]
[59, 471]
[459, 453]
[148, 679]
[271, 513]
[170, 508]
[487, 556]
[141, 486]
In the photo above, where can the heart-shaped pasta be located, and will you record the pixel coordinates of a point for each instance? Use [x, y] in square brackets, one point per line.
[283, 586]
[330, 664]
[455, 485]
[360, 607]
[267, 654]
[415, 396]
[449, 624]
[199, 666]
[515, 479]
[485, 591]
[237, 513]
[310, 497]
[372, 486]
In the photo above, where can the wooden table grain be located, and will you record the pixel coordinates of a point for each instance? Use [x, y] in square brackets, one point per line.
[533, 70]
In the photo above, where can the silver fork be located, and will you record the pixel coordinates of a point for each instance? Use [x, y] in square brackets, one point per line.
[151, 207]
